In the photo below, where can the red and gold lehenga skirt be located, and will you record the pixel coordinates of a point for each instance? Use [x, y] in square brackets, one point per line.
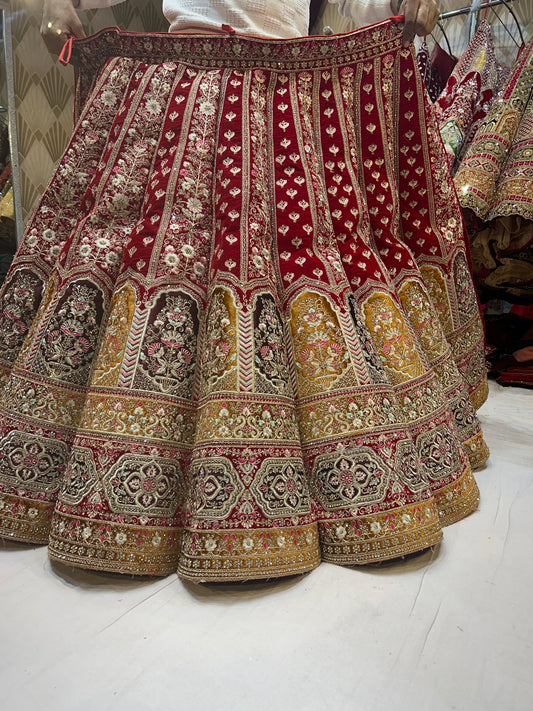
[240, 334]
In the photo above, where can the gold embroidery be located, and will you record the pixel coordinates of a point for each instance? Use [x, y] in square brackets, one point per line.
[218, 357]
[128, 549]
[423, 318]
[436, 286]
[244, 419]
[111, 352]
[128, 415]
[252, 554]
[320, 351]
[371, 538]
[392, 338]
[24, 519]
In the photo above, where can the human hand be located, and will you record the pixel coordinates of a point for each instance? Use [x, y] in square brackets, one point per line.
[59, 22]
[420, 17]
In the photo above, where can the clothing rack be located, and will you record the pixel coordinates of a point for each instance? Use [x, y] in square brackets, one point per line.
[466, 10]
[488, 5]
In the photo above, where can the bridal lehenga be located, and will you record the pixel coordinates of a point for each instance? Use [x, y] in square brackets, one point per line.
[240, 334]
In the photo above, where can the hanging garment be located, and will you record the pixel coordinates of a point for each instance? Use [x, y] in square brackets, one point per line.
[496, 174]
[422, 60]
[240, 334]
[495, 183]
[441, 66]
[468, 94]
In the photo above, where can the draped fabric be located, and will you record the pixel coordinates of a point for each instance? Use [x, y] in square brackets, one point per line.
[468, 94]
[495, 184]
[496, 174]
[435, 68]
[240, 334]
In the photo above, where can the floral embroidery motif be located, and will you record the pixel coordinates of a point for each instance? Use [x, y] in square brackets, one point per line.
[215, 488]
[270, 349]
[408, 468]
[437, 453]
[141, 484]
[188, 239]
[37, 463]
[280, 487]
[246, 421]
[219, 189]
[67, 347]
[395, 344]
[463, 414]
[436, 286]
[353, 478]
[369, 538]
[111, 351]
[320, 352]
[79, 477]
[168, 353]
[219, 352]
[17, 310]
[466, 296]
[423, 319]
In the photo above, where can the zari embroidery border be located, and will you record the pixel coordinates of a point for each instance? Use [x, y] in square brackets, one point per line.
[24, 520]
[240, 555]
[89, 55]
[371, 539]
[120, 548]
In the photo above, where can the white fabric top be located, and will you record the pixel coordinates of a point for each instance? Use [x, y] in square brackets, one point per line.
[260, 18]
[363, 12]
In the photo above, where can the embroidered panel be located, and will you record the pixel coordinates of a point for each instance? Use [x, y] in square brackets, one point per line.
[79, 477]
[245, 420]
[67, 347]
[167, 357]
[372, 538]
[353, 478]
[118, 548]
[17, 310]
[393, 338]
[435, 283]
[408, 468]
[32, 462]
[112, 347]
[424, 319]
[215, 488]
[117, 414]
[280, 487]
[270, 351]
[437, 454]
[466, 296]
[241, 555]
[218, 357]
[140, 484]
[320, 352]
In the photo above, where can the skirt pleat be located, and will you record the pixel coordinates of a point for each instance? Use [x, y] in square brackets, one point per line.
[240, 334]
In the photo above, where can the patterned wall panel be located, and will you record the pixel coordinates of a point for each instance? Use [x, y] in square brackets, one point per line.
[43, 88]
[3, 82]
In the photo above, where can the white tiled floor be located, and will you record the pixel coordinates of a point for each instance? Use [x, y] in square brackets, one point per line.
[450, 629]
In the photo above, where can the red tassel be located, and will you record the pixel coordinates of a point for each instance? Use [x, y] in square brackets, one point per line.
[66, 52]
